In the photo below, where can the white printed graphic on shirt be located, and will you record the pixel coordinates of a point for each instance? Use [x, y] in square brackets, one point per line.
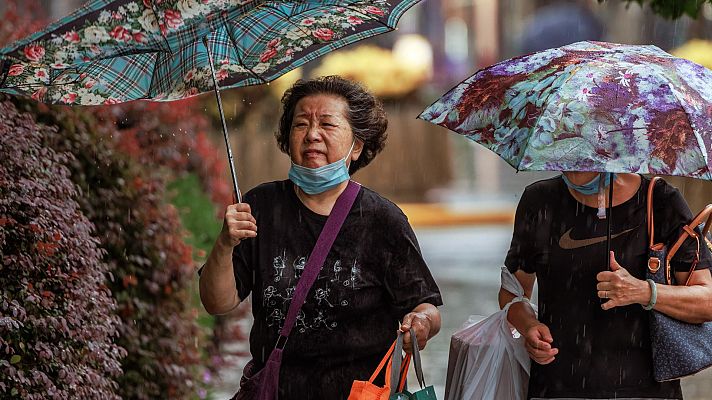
[276, 298]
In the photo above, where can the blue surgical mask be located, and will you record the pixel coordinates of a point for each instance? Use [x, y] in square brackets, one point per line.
[321, 179]
[591, 187]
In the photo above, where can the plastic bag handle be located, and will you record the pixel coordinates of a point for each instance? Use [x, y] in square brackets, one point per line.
[416, 359]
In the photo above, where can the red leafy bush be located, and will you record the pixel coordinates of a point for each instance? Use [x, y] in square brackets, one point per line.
[172, 135]
[151, 266]
[57, 317]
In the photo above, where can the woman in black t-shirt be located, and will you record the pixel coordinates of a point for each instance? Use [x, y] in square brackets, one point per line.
[591, 338]
[374, 280]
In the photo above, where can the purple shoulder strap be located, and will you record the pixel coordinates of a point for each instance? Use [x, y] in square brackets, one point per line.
[318, 256]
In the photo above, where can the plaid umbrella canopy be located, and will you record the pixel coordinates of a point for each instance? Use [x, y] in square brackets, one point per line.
[588, 106]
[113, 51]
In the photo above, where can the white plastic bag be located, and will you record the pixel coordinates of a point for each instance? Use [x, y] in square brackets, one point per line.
[488, 360]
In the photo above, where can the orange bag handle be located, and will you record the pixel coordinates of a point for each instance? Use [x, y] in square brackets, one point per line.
[404, 372]
[651, 225]
[386, 359]
[687, 231]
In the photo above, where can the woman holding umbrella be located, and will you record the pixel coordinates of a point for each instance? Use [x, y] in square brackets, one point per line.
[374, 275]
[591, 338]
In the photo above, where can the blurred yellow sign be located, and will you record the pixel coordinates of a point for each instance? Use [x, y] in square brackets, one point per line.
[388, 74]
[696, 50]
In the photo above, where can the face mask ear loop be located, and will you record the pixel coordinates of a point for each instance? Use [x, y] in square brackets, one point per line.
[602, 196]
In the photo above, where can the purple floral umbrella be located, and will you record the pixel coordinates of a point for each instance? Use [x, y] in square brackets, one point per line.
[588, 106]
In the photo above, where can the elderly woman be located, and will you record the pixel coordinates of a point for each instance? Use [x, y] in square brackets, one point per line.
[591, 339]
[374, 280]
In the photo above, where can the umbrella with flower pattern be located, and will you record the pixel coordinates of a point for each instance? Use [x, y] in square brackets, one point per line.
[588, 106]
[113, 51]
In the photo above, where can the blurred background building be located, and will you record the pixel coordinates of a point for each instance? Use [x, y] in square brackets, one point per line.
[438, 44]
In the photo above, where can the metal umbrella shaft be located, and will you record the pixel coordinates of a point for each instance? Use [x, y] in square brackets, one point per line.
[235, 187]
[609, 214]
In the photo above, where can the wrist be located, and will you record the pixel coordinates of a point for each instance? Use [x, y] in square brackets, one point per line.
[223, 243]
[645, 292]
[652, 299]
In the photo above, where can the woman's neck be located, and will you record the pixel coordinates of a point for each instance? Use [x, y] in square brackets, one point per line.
[321, 203]
[625, 186]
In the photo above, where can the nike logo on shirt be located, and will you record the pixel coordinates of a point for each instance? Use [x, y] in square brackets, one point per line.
[567, 243]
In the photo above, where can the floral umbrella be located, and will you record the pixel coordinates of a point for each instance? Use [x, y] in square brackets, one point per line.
[113, 51]
[588, 106]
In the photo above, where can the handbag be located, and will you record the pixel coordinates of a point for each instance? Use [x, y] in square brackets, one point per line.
[425, 392]
[263, 384]
[680, 348]
[394, 379]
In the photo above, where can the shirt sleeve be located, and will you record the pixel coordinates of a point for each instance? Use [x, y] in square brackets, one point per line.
[520, 255]
[244, 275]
[408, 280]
[671, 214]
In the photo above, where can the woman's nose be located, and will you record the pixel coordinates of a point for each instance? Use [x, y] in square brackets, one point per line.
[313, 133]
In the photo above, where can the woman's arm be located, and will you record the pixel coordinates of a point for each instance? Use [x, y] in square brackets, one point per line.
[521, 315]
[691, 303]
[425, 320]
[218, 289]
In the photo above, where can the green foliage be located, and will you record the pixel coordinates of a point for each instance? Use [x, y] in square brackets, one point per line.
[672, 8]
[197, 213]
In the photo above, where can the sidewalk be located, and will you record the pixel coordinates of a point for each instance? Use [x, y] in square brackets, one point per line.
[430, 215]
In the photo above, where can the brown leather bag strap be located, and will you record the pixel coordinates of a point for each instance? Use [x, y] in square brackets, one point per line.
[689, 231]
[651, 225]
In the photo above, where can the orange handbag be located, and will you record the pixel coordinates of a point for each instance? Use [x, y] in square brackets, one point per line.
[367, 390]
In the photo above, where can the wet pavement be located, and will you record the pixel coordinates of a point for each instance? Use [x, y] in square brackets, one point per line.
[465, 262]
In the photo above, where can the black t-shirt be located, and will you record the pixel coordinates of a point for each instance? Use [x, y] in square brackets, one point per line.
[373, 276]
[602, 354]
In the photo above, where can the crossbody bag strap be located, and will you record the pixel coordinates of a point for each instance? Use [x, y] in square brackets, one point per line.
[318, 256]
[689, 231]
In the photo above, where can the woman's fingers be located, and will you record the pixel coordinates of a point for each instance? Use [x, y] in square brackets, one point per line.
[242, 226]
[542, 356]
[538, 343]
[239, 223]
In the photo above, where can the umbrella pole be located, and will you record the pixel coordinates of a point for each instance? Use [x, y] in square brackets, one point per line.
[235, 187]
[609, 213]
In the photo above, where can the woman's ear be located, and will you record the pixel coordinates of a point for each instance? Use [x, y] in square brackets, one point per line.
[358, 148]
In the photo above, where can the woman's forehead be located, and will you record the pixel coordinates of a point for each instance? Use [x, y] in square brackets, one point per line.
[321, 105]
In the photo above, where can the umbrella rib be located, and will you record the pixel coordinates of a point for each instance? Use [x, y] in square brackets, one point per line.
[32, 86]
[287, 18]
[237, 53]
[165, 39]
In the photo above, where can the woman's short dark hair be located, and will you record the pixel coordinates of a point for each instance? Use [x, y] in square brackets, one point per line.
[365, 114]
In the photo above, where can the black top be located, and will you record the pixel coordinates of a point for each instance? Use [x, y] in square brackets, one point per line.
[373, 276]
[602, 354]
